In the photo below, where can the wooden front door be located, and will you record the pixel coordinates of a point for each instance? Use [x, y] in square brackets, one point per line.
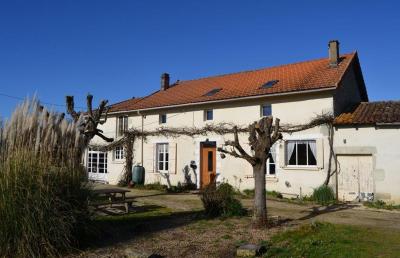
[356, 181]
[208, 158]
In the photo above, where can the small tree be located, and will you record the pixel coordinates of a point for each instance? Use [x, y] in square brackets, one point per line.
[262, 135]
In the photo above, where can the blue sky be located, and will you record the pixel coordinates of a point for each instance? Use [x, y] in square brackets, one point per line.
[118, 49]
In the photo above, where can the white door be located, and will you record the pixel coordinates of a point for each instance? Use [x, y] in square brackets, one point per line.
[97, 165]
[355, 178]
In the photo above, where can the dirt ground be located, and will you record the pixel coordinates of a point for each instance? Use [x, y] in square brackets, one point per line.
[350, 214]
[186, 234]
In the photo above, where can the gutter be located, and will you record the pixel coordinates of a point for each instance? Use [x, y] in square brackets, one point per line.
[366, 124]
[388, 124]
[225, 100]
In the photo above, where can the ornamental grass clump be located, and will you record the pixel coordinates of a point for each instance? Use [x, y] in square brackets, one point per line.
[323, 195]
[43, 193]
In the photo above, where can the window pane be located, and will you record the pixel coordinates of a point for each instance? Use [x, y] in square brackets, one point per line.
[125, 123]
[311, 158]
[272, 169]
[162, 156]
[210, 161]
[302, 153]
[292, 159]
[120, 125]
[209, 115]
[271, 158]
[266, 110]
[163, 118]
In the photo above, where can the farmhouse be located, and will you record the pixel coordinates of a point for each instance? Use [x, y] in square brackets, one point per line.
[362, 147]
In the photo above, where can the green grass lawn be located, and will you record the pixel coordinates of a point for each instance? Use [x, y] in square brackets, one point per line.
[329, 240]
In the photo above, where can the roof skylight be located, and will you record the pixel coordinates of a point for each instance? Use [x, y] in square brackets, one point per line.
[269, 84]
[213, 92]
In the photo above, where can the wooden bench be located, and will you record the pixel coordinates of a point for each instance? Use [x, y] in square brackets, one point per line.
[127, 203]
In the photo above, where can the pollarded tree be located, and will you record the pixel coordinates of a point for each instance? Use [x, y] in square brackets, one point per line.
[262, 135]
[91, 119]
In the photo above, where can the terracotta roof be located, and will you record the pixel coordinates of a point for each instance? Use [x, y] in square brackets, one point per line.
[381, 112]
[308, 75]
[124, 105]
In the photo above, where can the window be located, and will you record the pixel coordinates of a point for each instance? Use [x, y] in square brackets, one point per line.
[163, 118]
[271, 162]
[266, 110]
[97, 162]
[162, 157]
[301, 153]
[119, 153]
[122, 125]
[212, 92]
[269, 84]
[208, 115]
[210, 163]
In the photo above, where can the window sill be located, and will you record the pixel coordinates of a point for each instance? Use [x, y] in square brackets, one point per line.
[311, 168]
[271, 179]
[119, 161]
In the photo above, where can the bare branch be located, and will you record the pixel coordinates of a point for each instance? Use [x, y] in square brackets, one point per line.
[71, 108]
[89, 100]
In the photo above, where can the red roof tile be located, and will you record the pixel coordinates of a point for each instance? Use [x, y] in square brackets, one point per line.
[308, 75]
[124, 105]
[381, 112]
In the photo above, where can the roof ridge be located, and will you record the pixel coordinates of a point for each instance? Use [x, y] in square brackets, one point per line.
[264, 68]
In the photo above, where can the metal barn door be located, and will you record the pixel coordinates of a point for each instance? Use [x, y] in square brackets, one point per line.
[355, 178]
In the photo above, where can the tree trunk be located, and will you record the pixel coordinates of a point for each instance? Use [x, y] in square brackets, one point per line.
[260, 200]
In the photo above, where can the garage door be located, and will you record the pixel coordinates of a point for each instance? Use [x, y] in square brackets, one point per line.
[355, 178]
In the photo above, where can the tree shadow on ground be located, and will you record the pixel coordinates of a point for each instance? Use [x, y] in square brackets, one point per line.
[319, 210]
[142, 220]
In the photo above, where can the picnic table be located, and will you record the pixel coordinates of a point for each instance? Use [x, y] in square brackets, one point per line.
[112, 193]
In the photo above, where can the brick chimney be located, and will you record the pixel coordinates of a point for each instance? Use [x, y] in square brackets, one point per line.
[333, 53]
[164, 81]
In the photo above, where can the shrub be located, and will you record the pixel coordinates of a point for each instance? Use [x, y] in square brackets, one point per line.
[43, 194]
[275, 194]
[152, 186]
[181, 188]
[249, 193]
[220, 201]
[323, 195]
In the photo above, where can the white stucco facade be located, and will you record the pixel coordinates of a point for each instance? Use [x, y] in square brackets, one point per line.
[381, 144]
[374, 147]
[183, 150]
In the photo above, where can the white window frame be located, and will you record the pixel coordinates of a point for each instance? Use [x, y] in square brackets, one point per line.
[164, 149]
[124, 127]
[119, 153]
[160, 119]
[296, 146]
[268, 173]
[205, 114]
[262, 109]
[90, 164]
